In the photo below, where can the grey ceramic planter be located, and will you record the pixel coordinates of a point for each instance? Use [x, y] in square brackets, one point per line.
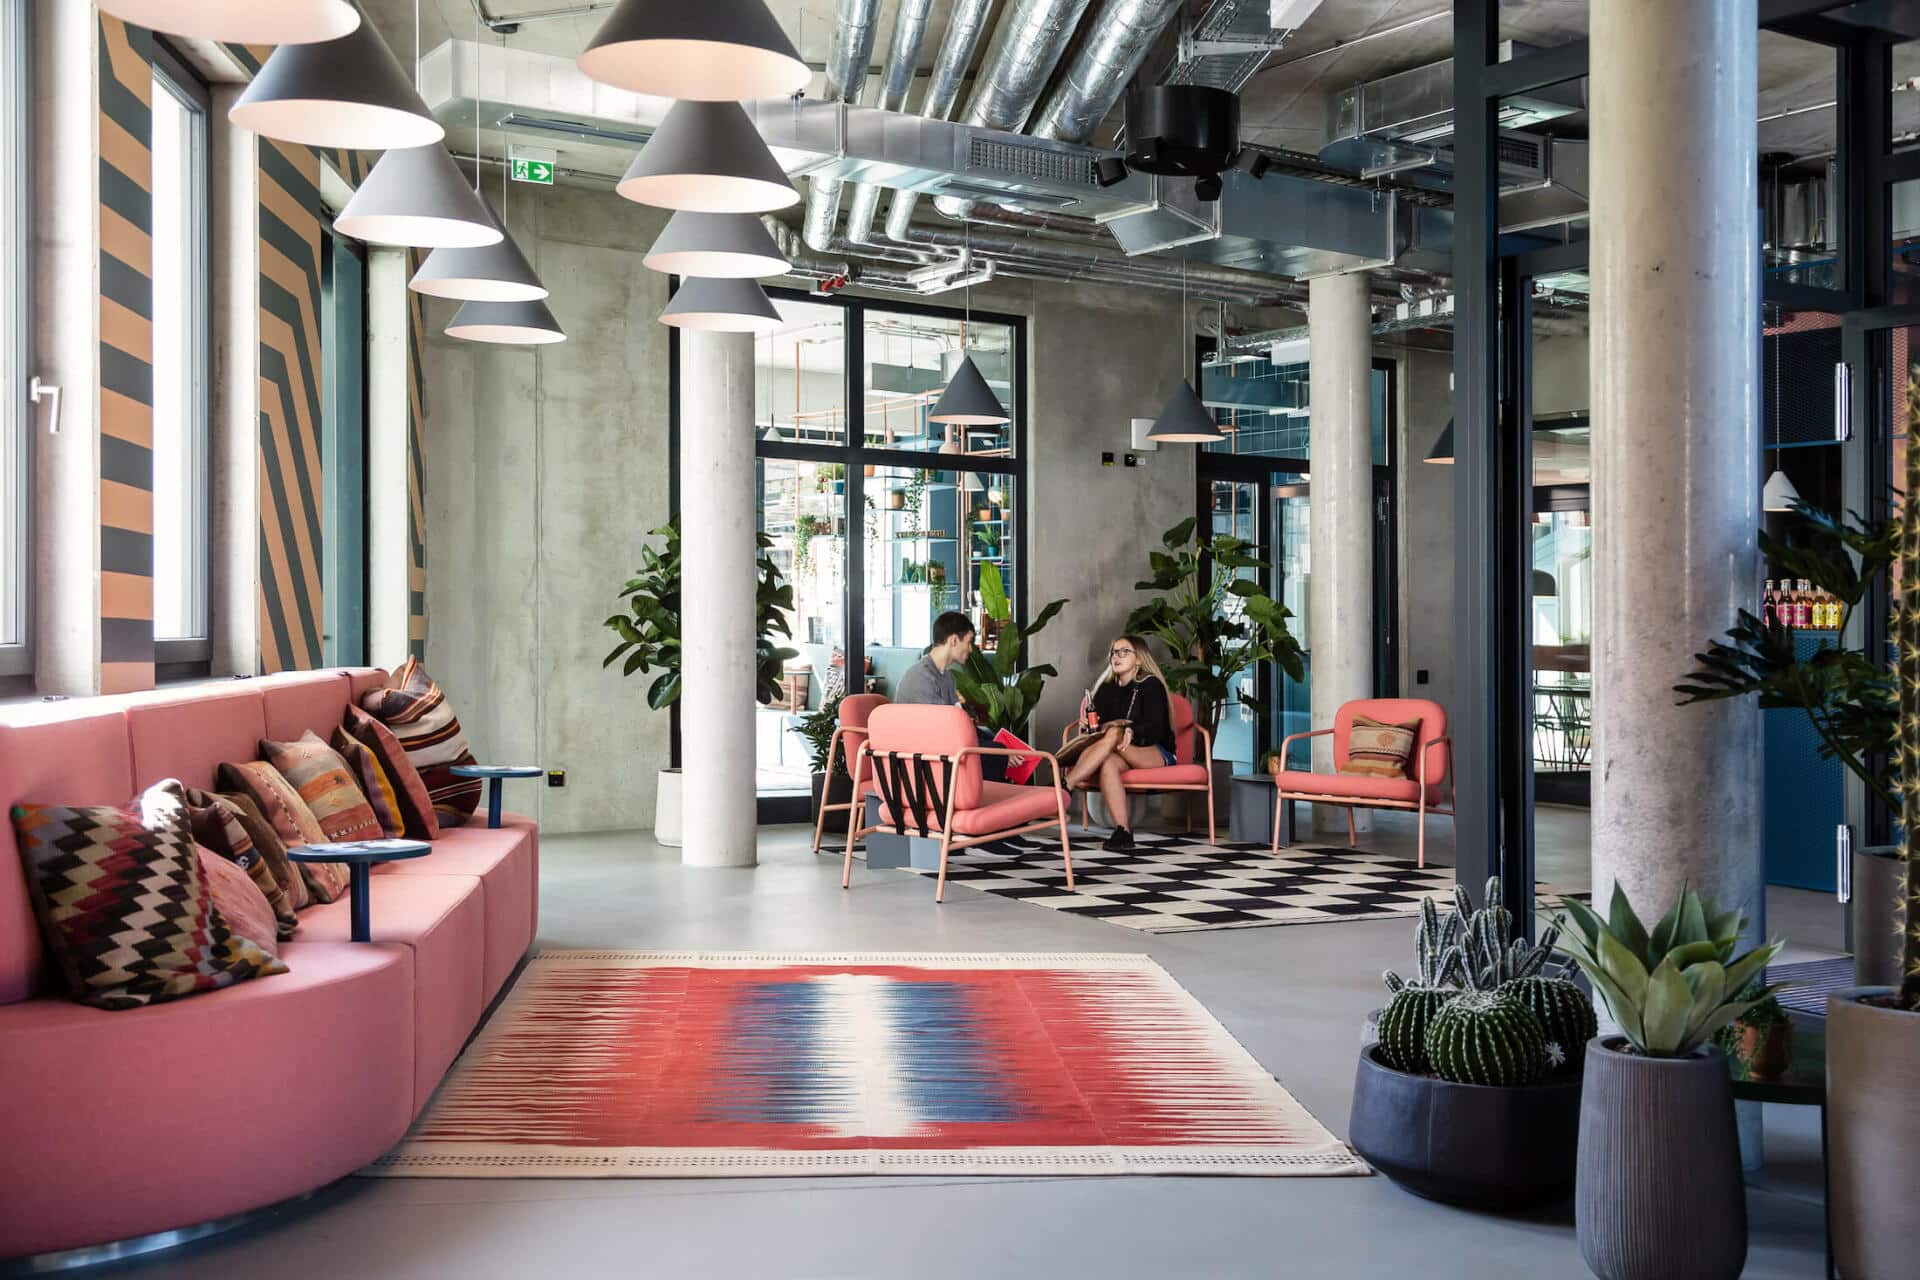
[1659, 1192]
[1873, 1132]
[1879, 886]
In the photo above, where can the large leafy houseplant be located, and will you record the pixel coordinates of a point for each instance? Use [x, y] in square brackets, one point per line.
[649, 631]
[817, 727]
[1214, 623]
[1002, 695]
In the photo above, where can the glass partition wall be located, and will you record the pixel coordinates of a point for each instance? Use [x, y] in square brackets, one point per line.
[881, 519]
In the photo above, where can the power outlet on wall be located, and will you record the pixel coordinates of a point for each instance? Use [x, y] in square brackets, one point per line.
[1420, 676]
[556, 777]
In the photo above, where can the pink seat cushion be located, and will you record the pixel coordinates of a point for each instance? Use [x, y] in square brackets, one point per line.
[299, 701]
[1433, 724]
[365, 680]
[442, 920]
[1004, 806]
[1404, 790]
[127, 1123]
[857, 708]
[504, 861]
[186, 736]
[1167, 775]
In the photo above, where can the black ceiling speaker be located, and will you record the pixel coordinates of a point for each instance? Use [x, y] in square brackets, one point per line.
[1187, 131]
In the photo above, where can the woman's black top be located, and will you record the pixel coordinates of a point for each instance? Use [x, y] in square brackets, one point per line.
[1144, 702]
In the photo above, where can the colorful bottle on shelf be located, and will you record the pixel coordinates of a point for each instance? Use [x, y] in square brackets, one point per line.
[1770, 605]
[1803, 604]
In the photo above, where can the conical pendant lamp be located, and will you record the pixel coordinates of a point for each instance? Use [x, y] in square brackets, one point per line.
[716, 245]
[708, 157]
[241, 21]
[514, 324]
[490, 273]
[968, 400]
[1442, 451]
[418, 197]
[721, 306]
[349, 93]
[1185, 420]
[709, 51]
[1779, 494]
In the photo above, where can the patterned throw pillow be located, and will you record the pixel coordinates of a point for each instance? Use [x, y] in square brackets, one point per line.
[214, 824]
[382, 796]
[1377, 750]
[419, 714]
[327, 784]
[127, 912]
[417, 819]
[239, 901]
[292, 821]
[268, 844]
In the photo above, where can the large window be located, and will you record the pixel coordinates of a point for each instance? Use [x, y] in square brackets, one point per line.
[16, 566]
[181, 287]
[880, 528]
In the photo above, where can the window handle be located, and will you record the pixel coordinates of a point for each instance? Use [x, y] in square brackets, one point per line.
[38, 391]
[1842, 402]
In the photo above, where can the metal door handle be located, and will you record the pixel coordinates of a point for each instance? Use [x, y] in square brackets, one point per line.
[1843, 863]
[38, 391]
[1842, 401]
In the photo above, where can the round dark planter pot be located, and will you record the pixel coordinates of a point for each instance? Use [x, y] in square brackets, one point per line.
[840, 792]
[1873, 1132]
[1466, 1144]
[1878, 880]
[1660, 1191]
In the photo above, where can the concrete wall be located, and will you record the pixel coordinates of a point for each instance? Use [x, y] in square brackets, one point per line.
[1426, 527]
[547, 466]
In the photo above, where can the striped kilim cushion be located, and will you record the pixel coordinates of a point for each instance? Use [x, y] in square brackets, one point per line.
[328, 785]
[268, 844]
[216, 827]
[127, 911]
[1378, 750]
[417, 820]
[291, 820]
[382, 796]
[418, 713]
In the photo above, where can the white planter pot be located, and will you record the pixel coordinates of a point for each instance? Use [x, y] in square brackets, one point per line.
[667, 810]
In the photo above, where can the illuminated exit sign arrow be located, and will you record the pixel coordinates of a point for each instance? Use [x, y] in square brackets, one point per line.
[534, 164]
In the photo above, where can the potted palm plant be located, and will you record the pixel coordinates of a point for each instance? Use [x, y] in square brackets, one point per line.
[1659, 1187]
[649, 642]
[817, 727]
[995, 688]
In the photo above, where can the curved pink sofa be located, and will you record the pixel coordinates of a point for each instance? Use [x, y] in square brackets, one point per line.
[123, 1124]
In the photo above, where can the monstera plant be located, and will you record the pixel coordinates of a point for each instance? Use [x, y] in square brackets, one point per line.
[1214, 623]
[1001, 695]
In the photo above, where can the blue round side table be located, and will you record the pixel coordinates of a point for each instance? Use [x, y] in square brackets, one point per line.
[495, 774]
[360, 855]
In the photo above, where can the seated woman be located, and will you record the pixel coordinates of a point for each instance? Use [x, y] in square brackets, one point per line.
[1130, 689]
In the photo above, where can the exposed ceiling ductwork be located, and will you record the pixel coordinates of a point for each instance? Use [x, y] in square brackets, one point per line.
[856, 25]
[896, 78]
[965, 25]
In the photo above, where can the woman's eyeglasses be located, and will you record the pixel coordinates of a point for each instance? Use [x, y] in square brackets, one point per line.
[1119, 653]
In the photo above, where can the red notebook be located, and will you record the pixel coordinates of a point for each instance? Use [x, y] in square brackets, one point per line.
[1019, 769]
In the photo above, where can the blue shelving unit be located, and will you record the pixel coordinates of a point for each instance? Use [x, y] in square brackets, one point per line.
[1805, 794]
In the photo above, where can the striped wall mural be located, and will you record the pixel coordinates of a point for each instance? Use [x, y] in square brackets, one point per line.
[126, 357]
[416, 468]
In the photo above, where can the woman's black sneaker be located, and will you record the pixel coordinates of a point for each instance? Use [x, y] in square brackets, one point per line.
[1120, 841]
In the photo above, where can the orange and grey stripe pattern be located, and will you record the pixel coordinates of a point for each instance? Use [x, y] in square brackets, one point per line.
[126, 357]
[416, 469]
[291, 476]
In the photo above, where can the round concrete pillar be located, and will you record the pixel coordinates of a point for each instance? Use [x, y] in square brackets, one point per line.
[717, 599]
[1676, 481]
[1340, 509]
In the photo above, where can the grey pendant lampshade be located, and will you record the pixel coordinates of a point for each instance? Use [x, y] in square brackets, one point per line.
[489, 273]
[1442, 451]
[706, 50]
[241, 21]
[1779, 495]
[418, 197]
[707, 157]
[718, 245]
[723, 306]
[349, 93]
[1185, 420]
[518, 324]
[968, 399]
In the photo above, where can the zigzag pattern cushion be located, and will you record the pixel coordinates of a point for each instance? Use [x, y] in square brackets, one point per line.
[128, 913]
[417, 818]
[291, 820]
[419, 715]
[214, 824]
[1379, 750]
[327, 784]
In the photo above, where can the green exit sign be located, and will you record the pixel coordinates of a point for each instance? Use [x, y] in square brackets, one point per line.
[529, 165]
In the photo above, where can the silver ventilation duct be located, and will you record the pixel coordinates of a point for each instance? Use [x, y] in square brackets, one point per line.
[856, 25]
[1116, 45]
[903, 53]
[965, 25]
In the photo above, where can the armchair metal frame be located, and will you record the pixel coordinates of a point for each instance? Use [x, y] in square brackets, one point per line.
[1282, 798]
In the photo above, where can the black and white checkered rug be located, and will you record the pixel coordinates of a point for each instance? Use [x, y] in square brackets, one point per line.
[1177, 884]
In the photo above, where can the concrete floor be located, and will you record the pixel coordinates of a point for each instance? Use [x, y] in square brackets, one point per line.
[1295, 996]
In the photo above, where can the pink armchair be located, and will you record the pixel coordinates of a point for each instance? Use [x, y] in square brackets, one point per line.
[846, 742]
[1431, 764]
[925, 763]
[1189, 775]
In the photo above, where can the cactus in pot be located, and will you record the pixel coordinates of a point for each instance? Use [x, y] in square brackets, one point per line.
[1403, 1023]
[1483, 1037]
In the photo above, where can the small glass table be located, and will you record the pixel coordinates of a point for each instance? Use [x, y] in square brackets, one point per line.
[1802, 1084]
[360, 855]
[495, 774]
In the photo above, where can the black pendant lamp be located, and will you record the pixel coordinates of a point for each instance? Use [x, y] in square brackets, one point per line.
[350, 93]
[1185, 420]
[968, 400]
[1442, 451]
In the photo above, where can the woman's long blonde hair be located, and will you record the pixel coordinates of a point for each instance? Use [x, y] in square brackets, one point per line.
[1142, 654]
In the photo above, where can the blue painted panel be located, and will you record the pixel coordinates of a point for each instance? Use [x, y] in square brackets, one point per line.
[1804, 794]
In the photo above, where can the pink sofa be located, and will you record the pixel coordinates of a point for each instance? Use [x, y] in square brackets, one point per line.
[123, 1124]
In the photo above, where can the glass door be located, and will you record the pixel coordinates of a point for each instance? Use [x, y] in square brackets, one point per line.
[1292, 709]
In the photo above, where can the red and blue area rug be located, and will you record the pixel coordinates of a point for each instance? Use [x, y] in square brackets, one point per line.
[633, 1064]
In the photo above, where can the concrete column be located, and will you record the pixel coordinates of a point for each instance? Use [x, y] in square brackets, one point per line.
[389, 556]
[717, 641]
[1676, 480]
[1340, 624]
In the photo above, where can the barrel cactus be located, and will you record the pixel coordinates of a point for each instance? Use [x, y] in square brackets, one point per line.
[1483, 1037]
[1404, 1023]
[1565, 1016]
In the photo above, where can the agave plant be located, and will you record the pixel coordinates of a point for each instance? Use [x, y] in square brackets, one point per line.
[1672, 987]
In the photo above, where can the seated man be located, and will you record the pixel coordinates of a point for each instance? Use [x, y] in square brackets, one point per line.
[929, 682]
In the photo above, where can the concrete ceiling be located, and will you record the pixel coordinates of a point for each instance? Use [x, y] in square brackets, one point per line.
[1288, 101]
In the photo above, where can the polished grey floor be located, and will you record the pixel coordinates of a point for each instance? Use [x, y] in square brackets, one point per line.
[1295, 996]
